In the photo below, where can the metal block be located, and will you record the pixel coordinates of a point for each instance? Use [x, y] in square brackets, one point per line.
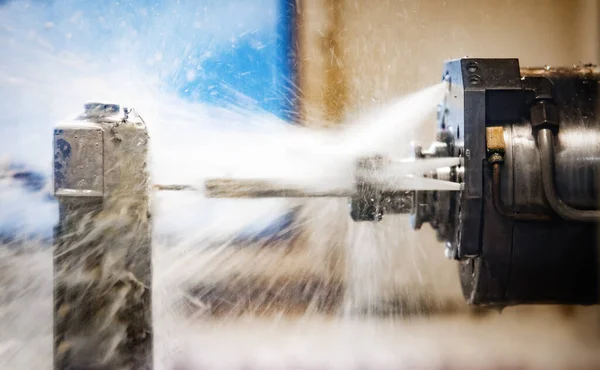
[102, 252]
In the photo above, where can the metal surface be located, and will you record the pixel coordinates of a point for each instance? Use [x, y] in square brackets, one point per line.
[499, 203]
[381, 184]
[78, 155]
[102, 252]
[526, 190]
[238, 188]
[481, 91]
[438, 207]
[546, 145]
[577, 157]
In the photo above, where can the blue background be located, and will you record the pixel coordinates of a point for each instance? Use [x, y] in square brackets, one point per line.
[230, 52]
[233, 46]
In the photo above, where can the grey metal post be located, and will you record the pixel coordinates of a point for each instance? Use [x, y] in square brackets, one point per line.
[102, 252]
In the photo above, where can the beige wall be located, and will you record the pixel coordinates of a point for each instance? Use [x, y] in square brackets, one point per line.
[355, 53]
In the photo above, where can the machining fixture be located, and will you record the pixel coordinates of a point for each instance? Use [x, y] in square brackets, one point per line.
[102, 252]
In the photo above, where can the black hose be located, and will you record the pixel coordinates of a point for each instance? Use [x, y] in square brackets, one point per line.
[546, 147]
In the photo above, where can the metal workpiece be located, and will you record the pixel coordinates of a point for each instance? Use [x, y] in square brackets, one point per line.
[102, 251]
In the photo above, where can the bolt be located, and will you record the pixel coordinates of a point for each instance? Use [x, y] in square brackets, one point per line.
[474, 80]
[472, 67]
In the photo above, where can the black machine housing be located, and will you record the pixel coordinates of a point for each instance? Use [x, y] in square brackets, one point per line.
[515, 249]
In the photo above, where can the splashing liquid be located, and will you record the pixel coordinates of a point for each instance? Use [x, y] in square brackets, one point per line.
[222, 303]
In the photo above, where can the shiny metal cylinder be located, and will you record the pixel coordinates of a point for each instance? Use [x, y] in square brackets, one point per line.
[577, 148]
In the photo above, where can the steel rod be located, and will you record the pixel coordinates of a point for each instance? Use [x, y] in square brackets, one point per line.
[234, 188]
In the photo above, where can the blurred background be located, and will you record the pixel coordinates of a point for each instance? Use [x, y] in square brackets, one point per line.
[313, 63]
